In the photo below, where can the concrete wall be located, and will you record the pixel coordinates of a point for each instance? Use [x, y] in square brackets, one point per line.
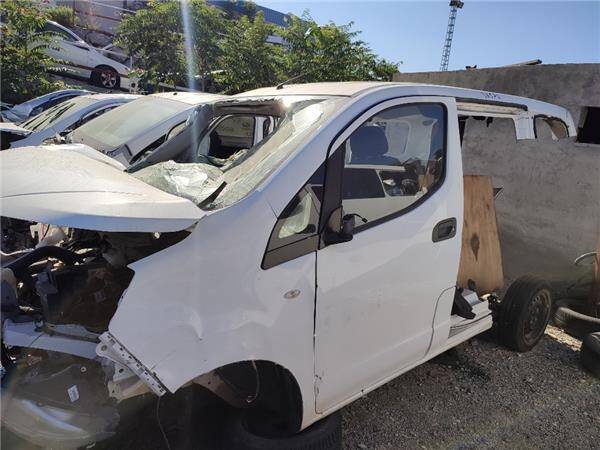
[549, 211]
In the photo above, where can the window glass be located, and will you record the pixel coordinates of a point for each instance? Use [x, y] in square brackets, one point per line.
[49, 27]
[230, 135]
[392, 160]
[300, 218]
[128, 121]
[47, 118]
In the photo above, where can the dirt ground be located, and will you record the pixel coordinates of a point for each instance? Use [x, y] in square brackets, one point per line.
[478, 395]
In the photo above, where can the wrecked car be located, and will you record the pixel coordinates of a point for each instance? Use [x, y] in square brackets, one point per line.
[141, 126]
[289, 278]
[59, 120]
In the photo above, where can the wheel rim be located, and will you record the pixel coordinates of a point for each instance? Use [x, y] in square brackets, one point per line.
[108, 78]
[538, 314]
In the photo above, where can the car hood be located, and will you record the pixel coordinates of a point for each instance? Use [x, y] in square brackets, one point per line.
[14, 128]
[78, 187]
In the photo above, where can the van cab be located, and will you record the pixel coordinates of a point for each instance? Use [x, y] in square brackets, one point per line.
[318, 265]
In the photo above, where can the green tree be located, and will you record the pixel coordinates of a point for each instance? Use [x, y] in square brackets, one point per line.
[62, 15]
[156, 36]
[23, 62]
[330, 53]
[248, 61]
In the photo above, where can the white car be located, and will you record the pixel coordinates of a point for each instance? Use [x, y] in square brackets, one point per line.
[319, 265]
[129, 132]
[23, 111]
[83, 60]
[60, 119]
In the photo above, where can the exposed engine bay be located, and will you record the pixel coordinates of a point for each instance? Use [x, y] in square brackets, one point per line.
[57, 301]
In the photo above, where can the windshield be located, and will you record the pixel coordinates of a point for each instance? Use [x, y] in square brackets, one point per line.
[303, 119]
[119, 126]
[49, 117]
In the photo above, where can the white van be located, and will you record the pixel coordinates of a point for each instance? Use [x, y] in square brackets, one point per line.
[320, 264]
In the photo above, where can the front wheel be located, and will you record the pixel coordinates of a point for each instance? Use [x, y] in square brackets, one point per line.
[243, 433]
[524, 313]
[106, 77]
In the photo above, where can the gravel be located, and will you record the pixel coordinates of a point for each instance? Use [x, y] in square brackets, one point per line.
[478, 395]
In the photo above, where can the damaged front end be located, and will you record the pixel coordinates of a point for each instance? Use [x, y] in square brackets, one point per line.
[64, 377]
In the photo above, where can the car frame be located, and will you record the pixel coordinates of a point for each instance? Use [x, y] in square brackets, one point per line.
[23, 111]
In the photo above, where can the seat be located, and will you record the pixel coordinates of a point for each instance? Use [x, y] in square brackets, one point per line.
[369, 146]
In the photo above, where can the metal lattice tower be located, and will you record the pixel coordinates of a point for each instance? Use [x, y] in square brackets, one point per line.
[455, 5]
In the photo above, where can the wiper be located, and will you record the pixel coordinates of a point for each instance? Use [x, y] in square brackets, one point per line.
[212, 197]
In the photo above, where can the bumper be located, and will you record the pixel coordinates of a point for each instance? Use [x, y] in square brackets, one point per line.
[52, 427]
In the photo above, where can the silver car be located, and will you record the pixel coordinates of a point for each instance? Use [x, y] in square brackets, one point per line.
[59, 120]
[23, 111]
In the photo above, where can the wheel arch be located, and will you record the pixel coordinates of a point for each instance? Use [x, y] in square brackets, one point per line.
[258, 384]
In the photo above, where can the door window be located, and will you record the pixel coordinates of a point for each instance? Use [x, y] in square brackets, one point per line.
[295, 233]
[59, 32]
[393, 160]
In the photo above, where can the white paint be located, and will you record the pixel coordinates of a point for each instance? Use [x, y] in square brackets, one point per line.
[377, 293]
[68, 188]
[383, 298]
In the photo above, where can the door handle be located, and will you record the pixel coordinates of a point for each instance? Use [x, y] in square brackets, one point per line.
[446, 229]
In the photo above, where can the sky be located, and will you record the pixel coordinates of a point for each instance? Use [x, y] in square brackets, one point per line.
[487, 33]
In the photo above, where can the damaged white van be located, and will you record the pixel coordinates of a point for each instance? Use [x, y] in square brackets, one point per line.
[303, 273]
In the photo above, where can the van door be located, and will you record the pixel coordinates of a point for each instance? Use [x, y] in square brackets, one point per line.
[376, 294]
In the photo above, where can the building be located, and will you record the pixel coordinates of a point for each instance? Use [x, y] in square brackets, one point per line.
[549, 211]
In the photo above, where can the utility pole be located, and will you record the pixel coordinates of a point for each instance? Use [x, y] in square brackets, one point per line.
[455, 5]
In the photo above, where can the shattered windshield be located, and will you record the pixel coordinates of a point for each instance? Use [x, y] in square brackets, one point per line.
[303, 118]
[46, 119]
[213, 183]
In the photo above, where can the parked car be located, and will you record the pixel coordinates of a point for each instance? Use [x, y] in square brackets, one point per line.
[319, 265]
[83, 60]
[129, 132]
[23, 111]
[60, 119]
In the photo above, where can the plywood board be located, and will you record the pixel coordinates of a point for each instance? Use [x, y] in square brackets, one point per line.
[480, 258]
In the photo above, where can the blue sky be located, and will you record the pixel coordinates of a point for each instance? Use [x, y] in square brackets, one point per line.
[488, 33]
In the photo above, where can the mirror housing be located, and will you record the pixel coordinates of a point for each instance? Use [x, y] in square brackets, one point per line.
[340, 227]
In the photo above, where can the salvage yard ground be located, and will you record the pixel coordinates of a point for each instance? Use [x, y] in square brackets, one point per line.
[478, 395]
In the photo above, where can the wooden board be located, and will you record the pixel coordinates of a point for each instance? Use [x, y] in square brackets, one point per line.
[480, 258]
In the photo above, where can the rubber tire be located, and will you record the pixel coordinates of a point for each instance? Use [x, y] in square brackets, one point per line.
[326, 434]
[576, 323]
[514, 310]
[589, 354]
[96, 79]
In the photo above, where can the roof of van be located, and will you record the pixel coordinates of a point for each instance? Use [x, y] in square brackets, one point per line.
[191, 98]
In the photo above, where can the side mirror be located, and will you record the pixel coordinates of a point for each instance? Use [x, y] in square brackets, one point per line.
[339, 228]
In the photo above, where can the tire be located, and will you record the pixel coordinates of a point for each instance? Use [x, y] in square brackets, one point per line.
[326, 434]
[106, 77]
[589, 354]
[576, 323]
[524, 313]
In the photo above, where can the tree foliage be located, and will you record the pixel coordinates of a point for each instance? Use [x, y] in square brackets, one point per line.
[248, 61]
[157, 37]
[62, 15]
[234, 47]
[330, 53]
[23, 61]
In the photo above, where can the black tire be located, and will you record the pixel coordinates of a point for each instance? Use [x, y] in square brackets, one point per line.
[590, 353]
[326, 434]
[524, 313]
[106, 77]
[576, 323]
